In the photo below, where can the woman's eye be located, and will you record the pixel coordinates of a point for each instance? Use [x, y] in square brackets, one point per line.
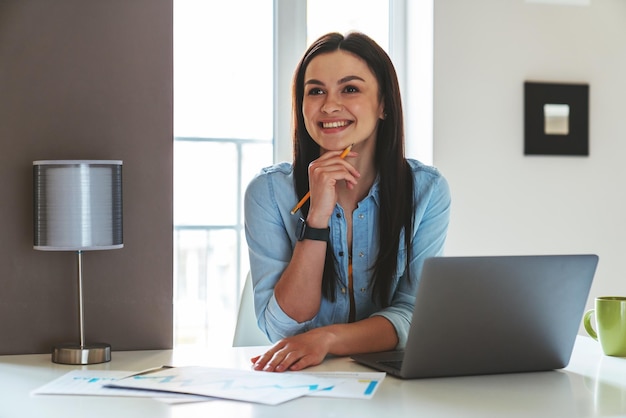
[315, 91]
[351, 89]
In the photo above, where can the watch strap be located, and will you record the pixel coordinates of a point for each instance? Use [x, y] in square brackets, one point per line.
[316, 234]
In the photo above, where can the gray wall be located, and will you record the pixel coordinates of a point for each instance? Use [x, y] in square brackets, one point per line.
[508, 203]
[87, 79]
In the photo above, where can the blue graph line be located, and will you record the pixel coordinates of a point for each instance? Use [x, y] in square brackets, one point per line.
[370, 388]
[95, 379]
[225, 384]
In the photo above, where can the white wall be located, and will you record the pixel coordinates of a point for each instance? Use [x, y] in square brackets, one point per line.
[508, 203]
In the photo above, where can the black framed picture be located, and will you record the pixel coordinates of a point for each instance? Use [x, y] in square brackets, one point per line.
[556, 119]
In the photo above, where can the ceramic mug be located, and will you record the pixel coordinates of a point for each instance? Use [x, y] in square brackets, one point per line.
[610, 313]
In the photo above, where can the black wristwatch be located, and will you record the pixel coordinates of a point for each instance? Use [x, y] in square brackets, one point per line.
[306, 232]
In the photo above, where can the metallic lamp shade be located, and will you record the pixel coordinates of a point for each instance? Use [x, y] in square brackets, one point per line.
[77, 205]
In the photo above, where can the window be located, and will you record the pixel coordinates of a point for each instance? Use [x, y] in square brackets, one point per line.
[223, 88]
[233, 63]
[370, 17]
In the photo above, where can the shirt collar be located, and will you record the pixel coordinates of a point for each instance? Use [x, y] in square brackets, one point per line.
[373, 193]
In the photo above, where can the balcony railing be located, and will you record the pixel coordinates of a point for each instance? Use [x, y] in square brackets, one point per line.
[210, 255]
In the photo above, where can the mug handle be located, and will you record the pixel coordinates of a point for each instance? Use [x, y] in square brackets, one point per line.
[588, 327]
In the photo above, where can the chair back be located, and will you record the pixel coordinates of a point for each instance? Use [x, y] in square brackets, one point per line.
[247, 332]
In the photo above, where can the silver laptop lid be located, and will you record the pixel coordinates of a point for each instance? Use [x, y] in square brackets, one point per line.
[497, 314]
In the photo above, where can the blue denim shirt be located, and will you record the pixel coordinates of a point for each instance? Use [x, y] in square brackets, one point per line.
[271, 234]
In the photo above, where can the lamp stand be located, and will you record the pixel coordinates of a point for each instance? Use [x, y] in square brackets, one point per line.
[81, 354]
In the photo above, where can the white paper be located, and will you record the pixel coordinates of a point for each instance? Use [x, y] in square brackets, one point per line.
[353, 385]
[232, 384]
[249, 386]
[92, 383]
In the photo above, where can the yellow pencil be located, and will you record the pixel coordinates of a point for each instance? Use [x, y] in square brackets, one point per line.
[308, 194]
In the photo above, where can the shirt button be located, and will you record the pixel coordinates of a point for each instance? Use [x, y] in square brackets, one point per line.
[340, 253]
[343, 290]
[361, 216]
[361, 254]
[363, 290]
[338, 215]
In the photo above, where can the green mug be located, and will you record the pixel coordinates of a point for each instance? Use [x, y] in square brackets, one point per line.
[610, 312]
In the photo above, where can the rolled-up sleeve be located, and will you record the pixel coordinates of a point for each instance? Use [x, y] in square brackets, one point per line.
[270, 234]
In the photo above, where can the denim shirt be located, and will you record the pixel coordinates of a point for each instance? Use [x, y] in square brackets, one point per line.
[271, 235]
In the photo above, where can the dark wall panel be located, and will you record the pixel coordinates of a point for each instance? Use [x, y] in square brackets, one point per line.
[87, 79]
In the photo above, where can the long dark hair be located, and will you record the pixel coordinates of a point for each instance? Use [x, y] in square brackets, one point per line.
[396, 182]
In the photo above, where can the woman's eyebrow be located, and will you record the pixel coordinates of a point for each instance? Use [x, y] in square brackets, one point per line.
[350, 78]
[314, 81]
[343, 80]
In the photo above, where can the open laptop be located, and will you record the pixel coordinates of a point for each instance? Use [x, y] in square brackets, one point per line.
[492, 314]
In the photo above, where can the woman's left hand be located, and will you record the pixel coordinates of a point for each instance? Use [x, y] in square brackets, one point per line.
[294, 353]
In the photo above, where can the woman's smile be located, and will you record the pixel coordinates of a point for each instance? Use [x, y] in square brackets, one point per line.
[335, 124]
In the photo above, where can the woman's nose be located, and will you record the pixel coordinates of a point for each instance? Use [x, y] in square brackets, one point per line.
[332, 104]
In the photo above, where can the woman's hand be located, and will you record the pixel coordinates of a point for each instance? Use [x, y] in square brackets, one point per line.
[295, 353]
[324, 174]
[311, 348]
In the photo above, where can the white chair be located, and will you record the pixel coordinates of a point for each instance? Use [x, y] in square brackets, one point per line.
[247, 332]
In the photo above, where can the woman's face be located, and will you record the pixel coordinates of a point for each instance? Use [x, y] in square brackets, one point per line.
[340, 104]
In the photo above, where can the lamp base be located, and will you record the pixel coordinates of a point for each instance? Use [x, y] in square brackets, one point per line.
[77, 354]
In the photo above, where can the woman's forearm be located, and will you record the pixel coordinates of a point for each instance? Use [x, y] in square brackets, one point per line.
[299, 289]
[368, 335]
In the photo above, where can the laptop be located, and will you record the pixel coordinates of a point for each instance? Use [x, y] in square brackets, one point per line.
[492, 314]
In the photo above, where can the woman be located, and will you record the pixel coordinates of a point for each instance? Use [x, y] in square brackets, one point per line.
[340, 276]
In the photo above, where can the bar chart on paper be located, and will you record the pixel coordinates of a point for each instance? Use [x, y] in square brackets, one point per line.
[90, 383]
[249, 386]
[185, 382]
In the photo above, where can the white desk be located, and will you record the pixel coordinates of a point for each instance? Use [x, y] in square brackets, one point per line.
[593, 385]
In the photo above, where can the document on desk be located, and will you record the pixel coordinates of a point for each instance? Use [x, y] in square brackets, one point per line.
[254, 386]
[242, 385]
[361, 385]
[172, 388]
[94, 383]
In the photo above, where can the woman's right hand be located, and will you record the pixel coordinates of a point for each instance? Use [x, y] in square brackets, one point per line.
[294, 353]
[325, 175]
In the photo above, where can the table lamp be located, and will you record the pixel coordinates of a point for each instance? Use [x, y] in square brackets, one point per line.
[78, 207]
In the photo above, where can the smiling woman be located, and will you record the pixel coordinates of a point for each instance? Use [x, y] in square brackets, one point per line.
[341, 278]
[224, 126]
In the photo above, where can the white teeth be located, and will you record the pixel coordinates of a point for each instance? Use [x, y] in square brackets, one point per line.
[337, 124]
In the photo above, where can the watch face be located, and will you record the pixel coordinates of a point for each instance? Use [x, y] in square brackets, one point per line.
[300, 229]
